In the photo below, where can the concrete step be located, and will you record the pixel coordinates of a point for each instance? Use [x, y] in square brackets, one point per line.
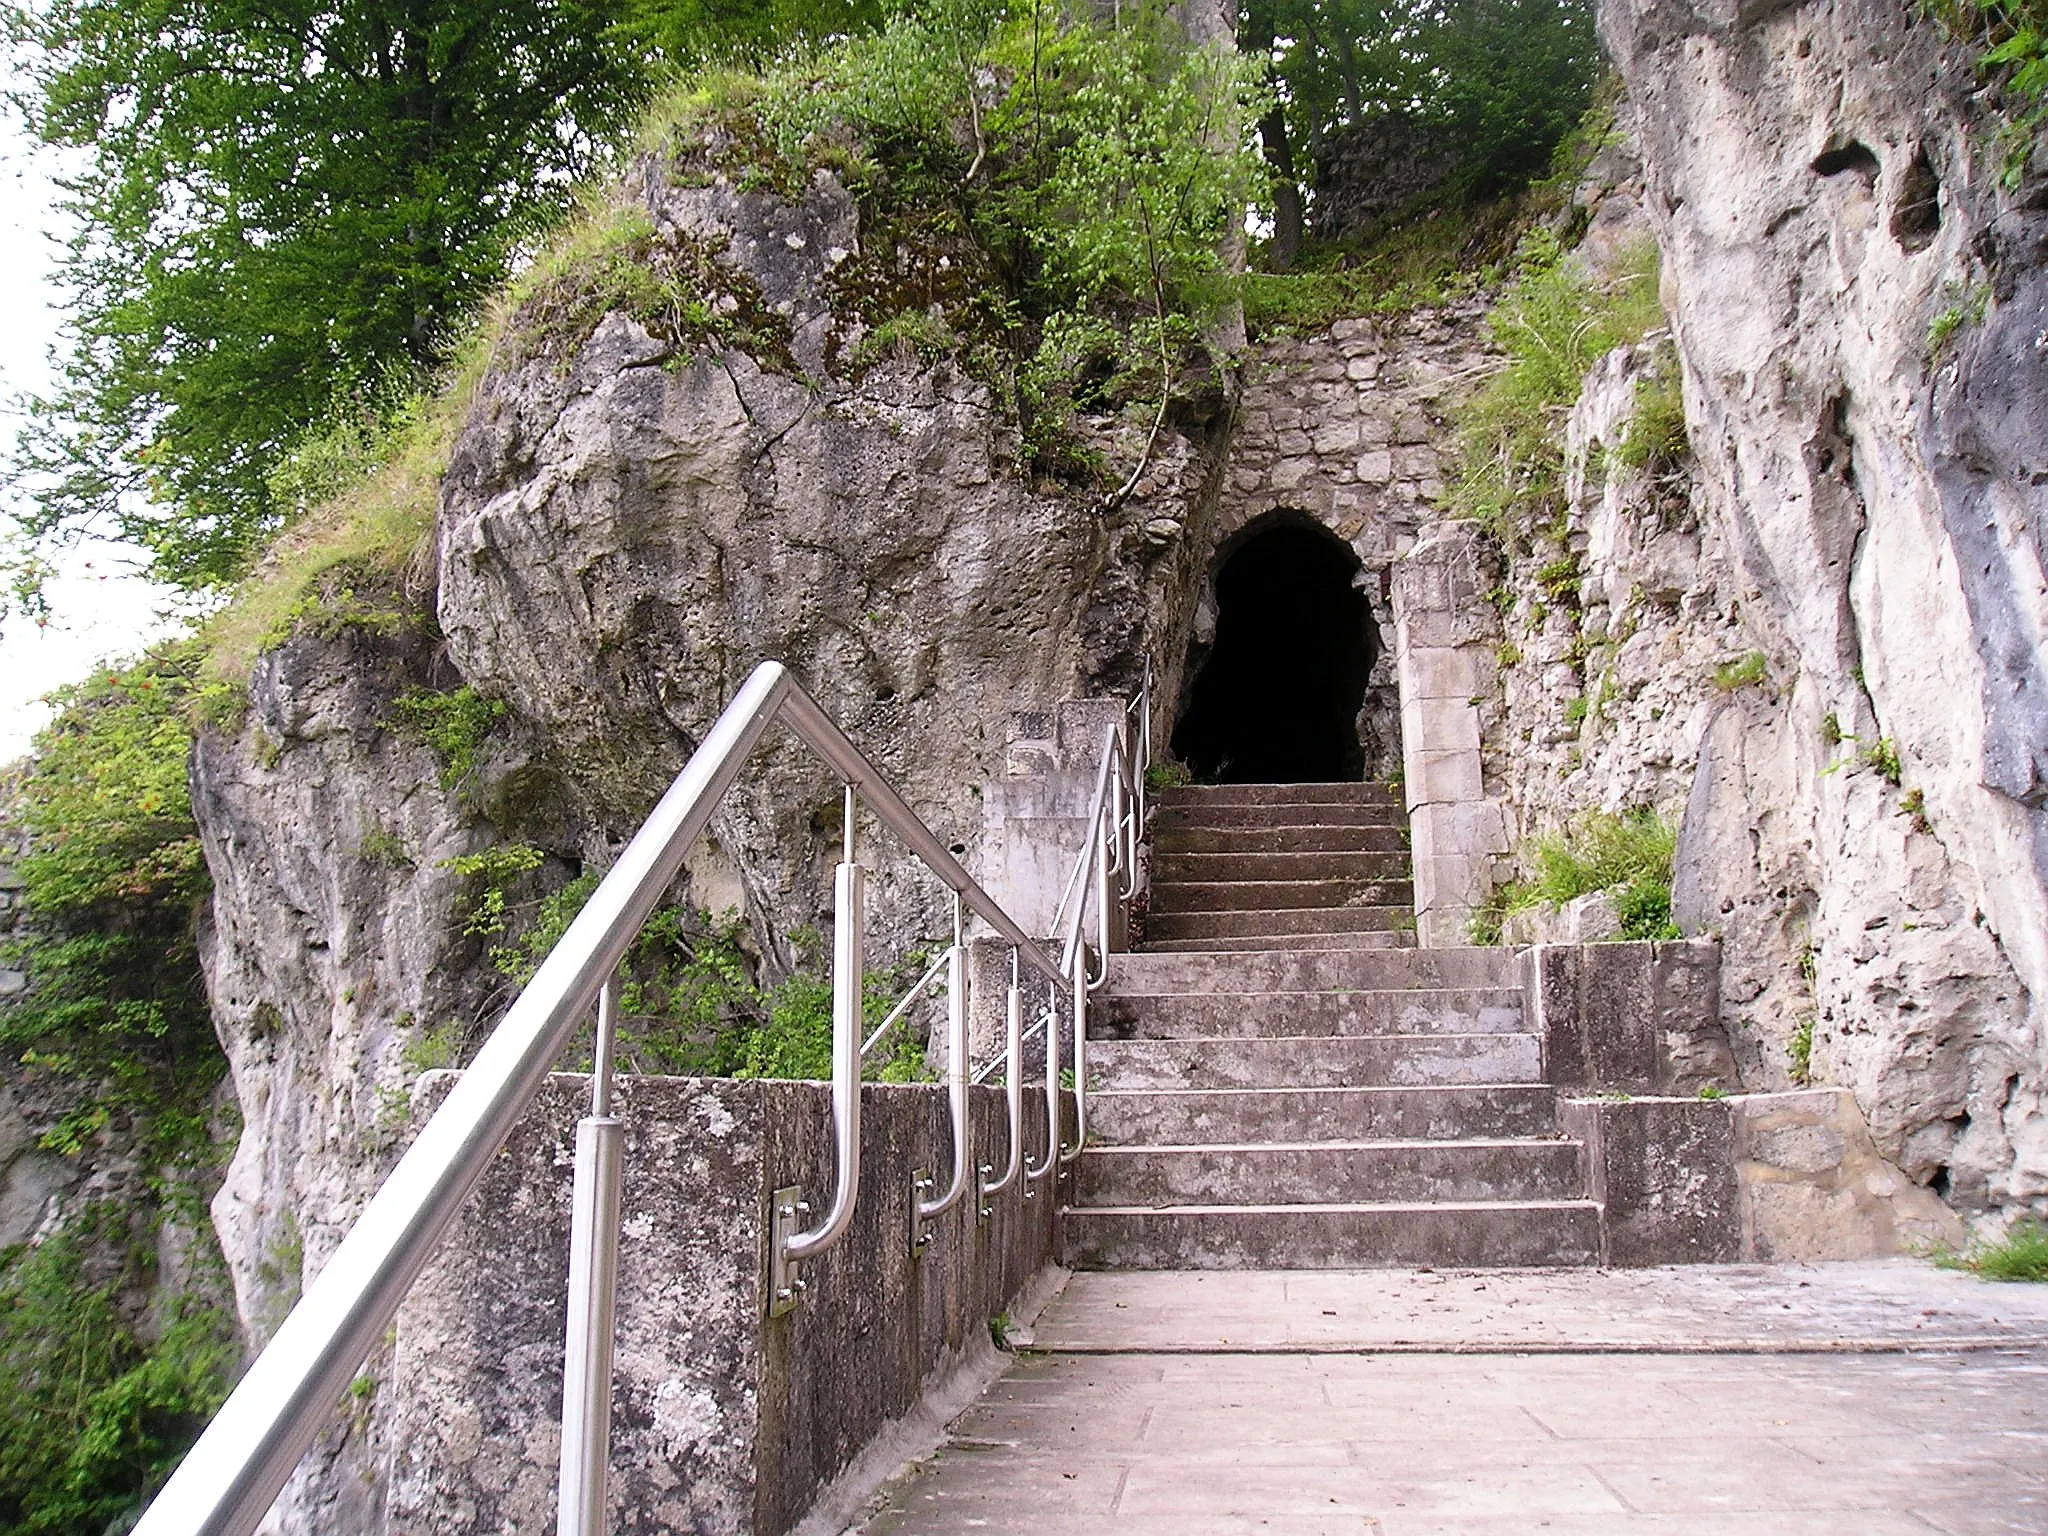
[1338, 814]
[1277, 794]
[1307, 968]
[1190, 1015]
[1148, 1117]
[1322, 1172]
[1174, 839]
[1330, 1061]
[1277, 922]
[1399, 938]
[1465, 1234]
[1278, 895]
[1198, 868]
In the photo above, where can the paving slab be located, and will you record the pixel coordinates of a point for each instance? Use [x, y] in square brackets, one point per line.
[1887, 1305]
[1879, 1400]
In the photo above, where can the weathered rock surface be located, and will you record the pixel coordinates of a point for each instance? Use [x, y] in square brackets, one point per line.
[1824, 186]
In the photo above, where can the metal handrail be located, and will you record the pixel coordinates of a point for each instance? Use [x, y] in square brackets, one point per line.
[229, 1478]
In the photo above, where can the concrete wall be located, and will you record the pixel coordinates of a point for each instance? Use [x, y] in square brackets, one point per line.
[724, 1421]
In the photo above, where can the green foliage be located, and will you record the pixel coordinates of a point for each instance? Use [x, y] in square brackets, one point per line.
[1799, 1052]
[1883, 756]
[1084, 173]
[2021, 1254]
[1831, 729]
[693, 1002]
[96, 1414]
[2012, 40]
[1576, 710]
[115, 1010]
[455, 724]
[1744, 672]
[1966, 306]
[493, 872]
[1709, 1091]
[751, 32]
[1500, 81]
[1629, 855]
[1553, 324]
[275, 208]
[1166, 774]
[1655, 440]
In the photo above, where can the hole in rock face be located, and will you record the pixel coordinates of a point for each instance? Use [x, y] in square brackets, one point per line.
[1276, 700]
[1916, 219]
[1851, 156]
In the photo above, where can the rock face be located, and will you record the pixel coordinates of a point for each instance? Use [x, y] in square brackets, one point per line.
[1858, 304]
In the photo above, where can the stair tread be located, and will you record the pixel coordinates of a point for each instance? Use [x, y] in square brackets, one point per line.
[1321, 1042]
[1120, 1093]
[1368, 1144]
[1345, 1207]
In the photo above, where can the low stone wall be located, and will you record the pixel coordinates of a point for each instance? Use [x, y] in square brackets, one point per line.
[1631, 1017]
[724, 1420]
[1753, 1178]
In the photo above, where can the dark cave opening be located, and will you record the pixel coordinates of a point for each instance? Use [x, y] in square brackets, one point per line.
[1276, 700]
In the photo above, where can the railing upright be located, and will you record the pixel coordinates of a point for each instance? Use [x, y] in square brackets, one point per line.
[593, 1291]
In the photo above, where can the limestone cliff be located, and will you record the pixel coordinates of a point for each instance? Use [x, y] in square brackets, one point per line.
[1858, 304]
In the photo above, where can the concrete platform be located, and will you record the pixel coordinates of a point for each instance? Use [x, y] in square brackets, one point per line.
[1848, 1400]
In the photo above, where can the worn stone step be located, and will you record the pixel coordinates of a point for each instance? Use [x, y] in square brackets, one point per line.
[1278, 895]
[1327, 1061]
[1276, 922]
[1402, 1011]
[1448, 1113]
[1461, 1234]
[1335, 814]
[1321, 1172]
[1175, 839]
[1308, 968]
[1398, 938]
[1200, 868]
[1372, 793]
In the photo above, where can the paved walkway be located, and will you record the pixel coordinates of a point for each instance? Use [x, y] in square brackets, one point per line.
[1854, 1399]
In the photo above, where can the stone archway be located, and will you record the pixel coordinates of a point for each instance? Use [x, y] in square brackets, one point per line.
[1276, 695]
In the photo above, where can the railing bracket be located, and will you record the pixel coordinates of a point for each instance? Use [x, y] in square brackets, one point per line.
[787, 1209]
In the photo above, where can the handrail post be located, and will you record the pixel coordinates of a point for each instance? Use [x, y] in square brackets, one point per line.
[788, 1246]
[1013, 1093]
[923, 1210]
[1068, 1154]
[593, 1292]
[1052, 1094]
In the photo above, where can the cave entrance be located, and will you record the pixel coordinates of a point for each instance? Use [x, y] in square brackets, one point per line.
[1277, 697]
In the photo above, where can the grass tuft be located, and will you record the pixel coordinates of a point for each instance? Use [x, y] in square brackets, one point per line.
[2021, 1254]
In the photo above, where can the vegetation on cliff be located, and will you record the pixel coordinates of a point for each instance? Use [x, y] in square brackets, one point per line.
[112, 1366]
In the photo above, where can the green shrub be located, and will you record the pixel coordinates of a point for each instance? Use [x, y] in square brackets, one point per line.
[95, 1415]
[1656, 440]
[1799, 1052]
[1553, 324]
[2021, 1254]
[1743, 672]
[455, 725]
[1629, 855]
[2012, 37]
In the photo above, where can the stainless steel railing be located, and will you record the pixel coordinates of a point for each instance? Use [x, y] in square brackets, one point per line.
[229, 1478]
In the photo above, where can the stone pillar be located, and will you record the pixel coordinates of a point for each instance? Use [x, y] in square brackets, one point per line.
[1443, 659]
[1034, 817]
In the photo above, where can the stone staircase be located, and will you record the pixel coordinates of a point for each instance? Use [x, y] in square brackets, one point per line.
[1252, 866]
[1279, 1081]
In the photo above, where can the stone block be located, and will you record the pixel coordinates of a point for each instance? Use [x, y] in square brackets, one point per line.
[1663, 1173]
[1375, 431]
[1445, 672]
[1445, 927]
[1434, 778]
[1450, 882]
[1814, 1187]
[1476, 831]
[1364, 369]
[1630, 1017]
[1337, 437]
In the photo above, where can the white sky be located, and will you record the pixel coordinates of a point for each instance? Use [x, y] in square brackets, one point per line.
[99, 606]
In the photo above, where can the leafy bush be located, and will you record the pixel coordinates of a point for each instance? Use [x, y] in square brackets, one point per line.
[1553, 324]
[454, 724]
[1743, 672]
[1656, 440]
[116, 1010]
[1629, 855]
[2013, 40]
[96, 1414]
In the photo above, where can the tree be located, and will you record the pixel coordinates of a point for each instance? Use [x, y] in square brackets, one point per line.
[281, 203]
[1502, 80]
